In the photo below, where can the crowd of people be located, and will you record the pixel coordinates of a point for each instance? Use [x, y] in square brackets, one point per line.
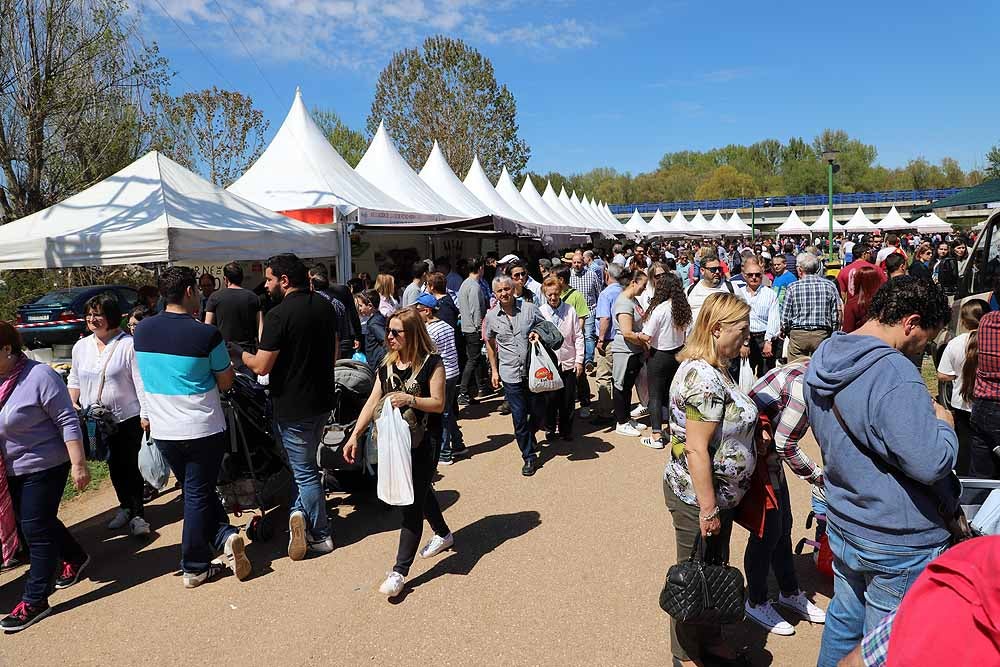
[732, 350]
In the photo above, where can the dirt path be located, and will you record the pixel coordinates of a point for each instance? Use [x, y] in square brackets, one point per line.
[563, 568]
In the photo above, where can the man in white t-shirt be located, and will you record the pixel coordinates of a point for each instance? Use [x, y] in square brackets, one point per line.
[712, 281]
[891, 246]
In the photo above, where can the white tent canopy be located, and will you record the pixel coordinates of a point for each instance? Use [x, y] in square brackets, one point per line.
[926, 224]
[822, 224]
[383, 166]
[577, 205]
[439, 176]
[509, 193]
[736, 225]
[717, 225]
[566, 213]
[658, 224]
[479, 185]
[611, 216]
[793, 225]
[859, 222]
[678, 224]
[301, 170]
[893, 221]
[155, 210]
[698, 224]
[636, 224]
[536, 202]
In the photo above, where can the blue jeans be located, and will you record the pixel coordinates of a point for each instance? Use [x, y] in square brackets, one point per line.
[526, 410]
[869, 580]
[301, 440]
[195, 464]
[36, 497]
[590, 336]
[451, 436]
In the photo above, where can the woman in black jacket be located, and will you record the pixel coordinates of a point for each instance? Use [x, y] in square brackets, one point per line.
[920, 268]
[373, 326]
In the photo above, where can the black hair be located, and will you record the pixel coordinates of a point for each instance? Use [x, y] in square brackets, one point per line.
[373, 298]
[563, 273]
[174, 282]
[290, 266]
[418, 270]
[669, 287]
[105, 304]
[709, 257]
[356, 285]
[860, 249]
[788, 248]
[318, 277]
[233, 273]
[140, 312]
[442, 261]
[909, 295]
[670, 263]
[893, 263]
[476, 264]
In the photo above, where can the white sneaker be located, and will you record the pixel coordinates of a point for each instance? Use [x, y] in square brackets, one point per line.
[321, 547]
[766, 616]
[192, 580]
[120, 519]
[637, 426]
[436, 545]
[297, 544]
[651, 442]
[800, 605]
[640, 412]
[138, 527]
[235, 552]
[393, 585]
[627, 429]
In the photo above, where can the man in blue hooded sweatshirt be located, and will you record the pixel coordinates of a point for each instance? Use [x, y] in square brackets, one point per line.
[888, 453]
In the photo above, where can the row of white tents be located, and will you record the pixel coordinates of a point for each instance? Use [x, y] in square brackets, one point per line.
[793, 225]
[155, 210]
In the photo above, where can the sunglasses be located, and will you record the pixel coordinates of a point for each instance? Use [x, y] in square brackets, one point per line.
[659, 275]
[517, 276]
[395, 333]
[752, 275]
[713, 269]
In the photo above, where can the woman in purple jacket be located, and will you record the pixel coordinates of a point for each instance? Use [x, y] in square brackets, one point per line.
[41, 443]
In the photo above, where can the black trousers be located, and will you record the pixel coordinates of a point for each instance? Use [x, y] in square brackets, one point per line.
[475, 366]
[773, 551]
[660, 370]
[758, 362]
[623, 397]
[425, 505]
[985, 431]
[963, 429]
[560, 405]
[123, 465]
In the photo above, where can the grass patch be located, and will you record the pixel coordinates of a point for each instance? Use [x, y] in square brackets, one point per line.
[929, 373]
[98, 473]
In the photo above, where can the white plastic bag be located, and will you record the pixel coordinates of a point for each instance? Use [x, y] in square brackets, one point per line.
[152, 465]
[395, 466]
[543, 373]
[747, 378]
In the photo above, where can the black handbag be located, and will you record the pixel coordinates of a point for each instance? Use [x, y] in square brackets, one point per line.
[703, 592]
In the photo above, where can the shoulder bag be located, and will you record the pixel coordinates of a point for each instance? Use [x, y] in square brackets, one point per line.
[416, 420]
[703, 592]
[99, 421]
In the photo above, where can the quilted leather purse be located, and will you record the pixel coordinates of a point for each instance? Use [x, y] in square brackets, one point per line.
[703, 592]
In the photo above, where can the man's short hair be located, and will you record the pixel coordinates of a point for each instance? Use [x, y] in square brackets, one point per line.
[476, 264]
[233, 273]
[588, 253]
[545, 263]
[563, 273]
[615, 271]
[174, 282]
[893, 263]
[708, 257]
[909, 295]
[318, 277]
[289, 265]
[891, 239]
[807, 262]
[418, 270]
[373, 297]
[501, 280]
[438, 282]
[859, 250]
[788, 248]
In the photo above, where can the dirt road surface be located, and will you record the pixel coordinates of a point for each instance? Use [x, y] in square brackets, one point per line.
[563, 568]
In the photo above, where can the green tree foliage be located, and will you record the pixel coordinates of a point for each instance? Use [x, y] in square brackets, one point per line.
[725, 182]
[217, 133]
[993, 162]
[447, 92]
[350, 143]
[73, 83]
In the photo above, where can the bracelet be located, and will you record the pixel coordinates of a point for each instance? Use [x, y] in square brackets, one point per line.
[413, 401]
[711, 515]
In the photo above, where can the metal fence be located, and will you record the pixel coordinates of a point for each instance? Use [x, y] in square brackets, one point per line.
[888, 197]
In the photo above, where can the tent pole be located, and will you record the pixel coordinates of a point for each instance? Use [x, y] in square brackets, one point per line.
[344, 261]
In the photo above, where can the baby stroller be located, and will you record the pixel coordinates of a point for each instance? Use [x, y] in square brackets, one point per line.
[353, 382]
[254, 472]
[822, 555]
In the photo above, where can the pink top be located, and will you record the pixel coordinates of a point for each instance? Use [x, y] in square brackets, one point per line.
[568, 323]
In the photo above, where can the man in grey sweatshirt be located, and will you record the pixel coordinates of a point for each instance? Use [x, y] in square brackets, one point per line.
[888, 453]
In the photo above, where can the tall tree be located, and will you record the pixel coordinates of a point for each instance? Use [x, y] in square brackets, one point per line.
[726, 182]
[447, 92]
[218, 133]
[350, 143]
[73, 84]
[993, 162]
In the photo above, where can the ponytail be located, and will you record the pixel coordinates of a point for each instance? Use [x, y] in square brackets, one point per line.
[970, 367]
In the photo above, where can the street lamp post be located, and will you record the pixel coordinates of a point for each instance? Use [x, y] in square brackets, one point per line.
[830, 157]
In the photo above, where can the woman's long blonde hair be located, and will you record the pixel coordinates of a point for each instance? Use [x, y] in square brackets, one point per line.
[719, 308]
[418, 344]
[385, 285]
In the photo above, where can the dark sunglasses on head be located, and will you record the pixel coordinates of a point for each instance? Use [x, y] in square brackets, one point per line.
[395, 333]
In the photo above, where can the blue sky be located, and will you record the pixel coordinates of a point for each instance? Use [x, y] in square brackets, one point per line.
[619, 84]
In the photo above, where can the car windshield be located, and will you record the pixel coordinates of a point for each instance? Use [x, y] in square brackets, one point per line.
[59, 297]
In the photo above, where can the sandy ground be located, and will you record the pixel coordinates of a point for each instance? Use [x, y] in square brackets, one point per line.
[563, 568]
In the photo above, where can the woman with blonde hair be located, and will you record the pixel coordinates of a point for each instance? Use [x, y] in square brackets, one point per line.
[385, 285]
[412, 377]
[712, 454]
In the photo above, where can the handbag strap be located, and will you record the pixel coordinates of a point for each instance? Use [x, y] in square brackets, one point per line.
[108, 349]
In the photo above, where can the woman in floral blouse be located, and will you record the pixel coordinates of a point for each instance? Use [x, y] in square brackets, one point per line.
[712, 455]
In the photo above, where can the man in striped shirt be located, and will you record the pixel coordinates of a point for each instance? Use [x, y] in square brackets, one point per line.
[443, 336]
[765, 318]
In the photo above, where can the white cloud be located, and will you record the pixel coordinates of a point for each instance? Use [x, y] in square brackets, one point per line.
[360, 34]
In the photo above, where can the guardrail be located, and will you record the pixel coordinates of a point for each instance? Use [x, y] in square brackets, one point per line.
[887, 197]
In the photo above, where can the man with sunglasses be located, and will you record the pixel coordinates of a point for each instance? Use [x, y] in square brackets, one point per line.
[765, 317]
[712, 281]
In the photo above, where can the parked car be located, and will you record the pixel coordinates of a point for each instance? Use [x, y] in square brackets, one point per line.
[56, 318]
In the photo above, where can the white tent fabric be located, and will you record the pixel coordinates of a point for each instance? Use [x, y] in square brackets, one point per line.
[658, 224]
[698, 224]
[565, 213]
[536, 202]
[509, 193]
[636, 224]
[597, 213]
[155, 210]
[793, 225]
[301, 170]
[611, 216]
[479, 185]
[678, 225]
[926, 224]
[577, 205]
[893, 221]
[859, 222]
[717, 225]
[439, 176]
[822, 224]
[736, 225]
[383, 166]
